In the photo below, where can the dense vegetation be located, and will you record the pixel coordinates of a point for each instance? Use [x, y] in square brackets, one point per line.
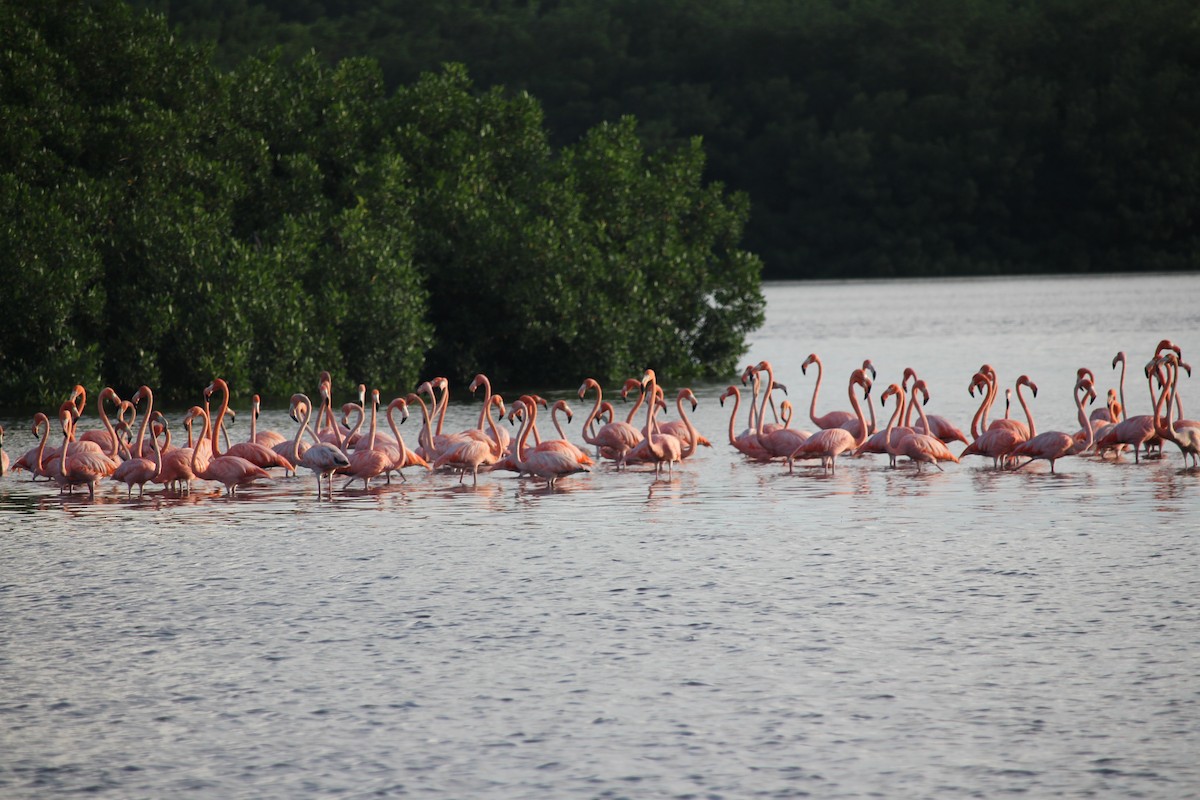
[874, 137]
[164, 221]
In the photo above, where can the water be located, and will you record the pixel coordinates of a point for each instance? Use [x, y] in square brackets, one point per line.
[731, 632]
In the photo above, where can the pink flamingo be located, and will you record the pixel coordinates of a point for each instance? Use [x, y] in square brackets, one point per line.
[176, 468]
[997, 441]
[663, 448]
[919, 446]
[547, 460]
[265, 438]
[470, 453]
[828, 443]
[367, 462]
[502, 435]
[404, 457]
[747, 444]
[229, 471]
[615, 439]
[1053, 445]
[82, 467]
[1187, 439]
[1132, 431]
[780, 442]
[941, 428]
[3, 455]
[140, 471]
[884, 441]
[257, 454]
[834, 419]
[106, 438]
[322, 458]
[687, 437]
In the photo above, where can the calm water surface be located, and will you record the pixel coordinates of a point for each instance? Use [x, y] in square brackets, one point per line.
[731, 632]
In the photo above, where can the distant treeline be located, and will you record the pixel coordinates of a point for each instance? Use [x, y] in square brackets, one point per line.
[874, 137]
[164, 221]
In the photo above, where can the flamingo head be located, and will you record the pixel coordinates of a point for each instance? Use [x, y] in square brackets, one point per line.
[869, 367]
[588, 383]
[920, 386]
[779, 386]
[1084, 372]
[730, 391]
[910, 374]
[648, 377]
[1167, 344]
[978, 381]
[1119, 358]
[1024, 381]
[39, 419]
[141, 394]
[859, 377]
[747, 374]
[109, 393]
[629, 385]
[476, 382]
[812, 359]
[892, 389]
[687, 394]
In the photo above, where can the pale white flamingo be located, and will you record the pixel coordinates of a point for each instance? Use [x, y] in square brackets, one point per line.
[322, 458]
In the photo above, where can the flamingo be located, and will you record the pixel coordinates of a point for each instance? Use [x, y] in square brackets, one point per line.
[779, 442]
[834, 419]
[84, 466]
[470, 453]
[322, 458]
[257, 454]
[752, 374]
[547, 460]
[106, 438]
[828, 443]
[941, 428]
[230, 471]
[663, 448]
[747, 444]
[141, 471]
[177, 462]
[1187, 439]
[368, 462]
[921, 447]
[404, 458]
[502, 435]
[615, 439]
[884, 441]
[265, 438]
[1132, 431]
[3, 455]
[1053, 445]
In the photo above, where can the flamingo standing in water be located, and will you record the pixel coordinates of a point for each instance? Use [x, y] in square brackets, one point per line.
[834, 419]
[229, 471]
[1187, 439]
[663, 448]
[615, 439]
[322, 458]
[778, 442]
[828, 443]
[3, 455]
[884, 441]
[547, 460]
[471, 453]
[265, 438]
[404, 457]
[1053, 445]
[940, 427]
[82, 467]
[919, 446]
[256, 453]
[747, 444]
[140, 471]
[366, 462]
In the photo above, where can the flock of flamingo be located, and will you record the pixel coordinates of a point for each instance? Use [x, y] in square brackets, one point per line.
[134, 454]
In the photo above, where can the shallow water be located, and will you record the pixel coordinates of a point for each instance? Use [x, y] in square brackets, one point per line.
[733, 631]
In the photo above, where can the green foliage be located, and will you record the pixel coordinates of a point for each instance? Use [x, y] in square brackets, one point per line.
[873, 137]
[165, 223]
